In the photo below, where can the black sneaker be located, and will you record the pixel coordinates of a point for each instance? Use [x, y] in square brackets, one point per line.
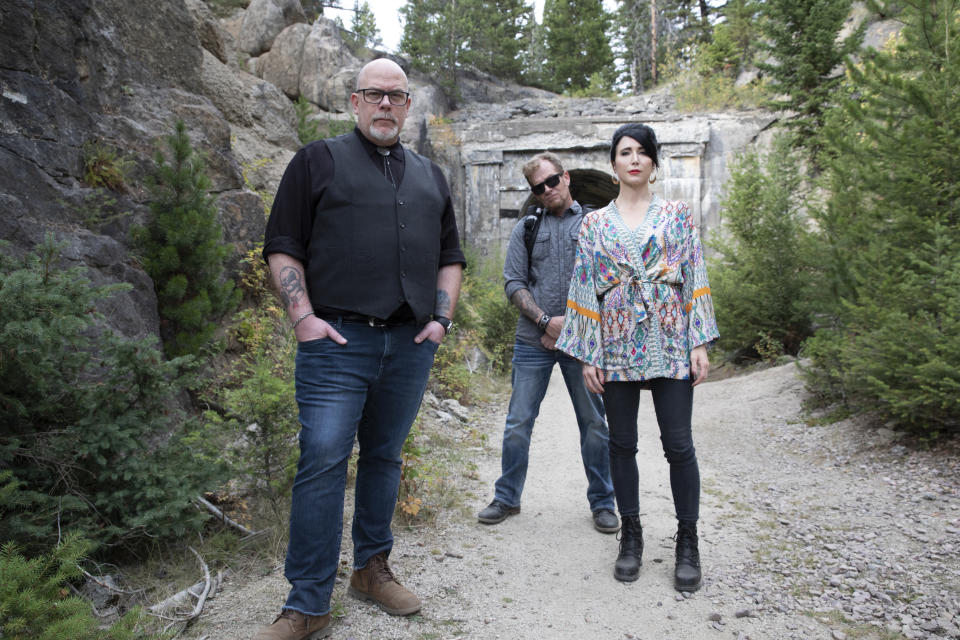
[606, 521]
[496, 512]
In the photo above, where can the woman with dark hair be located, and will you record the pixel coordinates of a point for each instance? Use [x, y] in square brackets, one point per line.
[640, 316]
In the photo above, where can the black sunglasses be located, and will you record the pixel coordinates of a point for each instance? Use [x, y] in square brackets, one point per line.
[551, 182]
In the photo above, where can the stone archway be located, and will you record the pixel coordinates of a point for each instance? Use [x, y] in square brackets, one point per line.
[587, 186]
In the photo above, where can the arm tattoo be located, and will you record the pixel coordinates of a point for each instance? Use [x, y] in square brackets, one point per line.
[291, 286]
[442, 307]
[523, 300]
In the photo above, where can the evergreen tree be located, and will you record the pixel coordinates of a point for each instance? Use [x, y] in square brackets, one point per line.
[892, 225]
[365, 25]
[732, 47]
[91, 431]
[578, 45]
[635, 40]
[534, 66]
[801, 39]
[183, 251]
[763, 271]
[442, 36]
[34, 600]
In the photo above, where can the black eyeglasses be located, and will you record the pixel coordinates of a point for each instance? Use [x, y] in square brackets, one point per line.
[551, 182]
[375, 96]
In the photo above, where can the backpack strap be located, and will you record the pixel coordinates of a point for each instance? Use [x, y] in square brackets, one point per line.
[531, 225]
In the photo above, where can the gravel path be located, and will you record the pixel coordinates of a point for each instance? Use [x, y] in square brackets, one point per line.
[806, 532]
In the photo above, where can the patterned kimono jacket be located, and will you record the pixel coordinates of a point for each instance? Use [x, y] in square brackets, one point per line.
[639, 300]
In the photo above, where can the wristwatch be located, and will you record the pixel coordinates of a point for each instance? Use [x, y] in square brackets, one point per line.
[543, 322]
[446, 323]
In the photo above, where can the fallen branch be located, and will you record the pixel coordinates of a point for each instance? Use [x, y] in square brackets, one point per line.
[224, 518]
[201, 599]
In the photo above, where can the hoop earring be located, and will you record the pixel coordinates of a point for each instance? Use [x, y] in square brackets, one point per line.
[653, 178]
[614, 180]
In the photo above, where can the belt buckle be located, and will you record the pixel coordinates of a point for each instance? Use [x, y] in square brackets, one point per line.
[375, 322]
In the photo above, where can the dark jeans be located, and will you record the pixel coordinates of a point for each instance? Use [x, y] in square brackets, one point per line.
[532, 368]
[369, 390]
[673, 402]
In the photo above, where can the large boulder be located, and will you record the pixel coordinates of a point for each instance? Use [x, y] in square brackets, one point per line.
[263, 20]
[328, 71]
[281, 65]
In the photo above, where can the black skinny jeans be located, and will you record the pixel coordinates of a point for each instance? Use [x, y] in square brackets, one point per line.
[673, 402]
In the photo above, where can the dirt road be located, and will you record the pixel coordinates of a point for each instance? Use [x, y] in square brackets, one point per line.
[806, 532]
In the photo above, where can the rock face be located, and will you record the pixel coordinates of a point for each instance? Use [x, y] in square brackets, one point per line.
[263, 20]
[95, 73]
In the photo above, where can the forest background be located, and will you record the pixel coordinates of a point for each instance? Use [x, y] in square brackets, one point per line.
[840, 244]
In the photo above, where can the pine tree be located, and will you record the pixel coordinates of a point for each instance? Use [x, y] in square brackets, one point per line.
[733, 44]
[892, 225]
[534, 65]
[801, 40]
[91, 430]
[762, 274]
[578, 45]
[35, 603]
[443, 36]
[365, 25]
[635, 40]
[183, 251]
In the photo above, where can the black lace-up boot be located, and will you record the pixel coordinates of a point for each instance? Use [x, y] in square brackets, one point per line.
[627, 567]
[686, 574]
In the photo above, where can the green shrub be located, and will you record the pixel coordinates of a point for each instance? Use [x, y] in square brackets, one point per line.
[91, 430]
[255, 431]
[892, 225]
[762, 274]
[104, 167]
[484, 309]
[183, 251]
[35, 600]
[715, 92]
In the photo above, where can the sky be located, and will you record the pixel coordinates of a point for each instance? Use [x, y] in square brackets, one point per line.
[388, 18]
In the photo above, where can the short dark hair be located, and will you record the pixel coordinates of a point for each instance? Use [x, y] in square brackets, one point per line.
[642, 134]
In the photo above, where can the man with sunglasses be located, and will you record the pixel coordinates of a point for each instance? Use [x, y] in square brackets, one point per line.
[363, 247]
[536, 281]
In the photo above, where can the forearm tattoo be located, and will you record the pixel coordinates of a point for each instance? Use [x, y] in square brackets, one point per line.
[523, 300]
[291, 286]
[442, 308]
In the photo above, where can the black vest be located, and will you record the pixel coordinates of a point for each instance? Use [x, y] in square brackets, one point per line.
[375, 247]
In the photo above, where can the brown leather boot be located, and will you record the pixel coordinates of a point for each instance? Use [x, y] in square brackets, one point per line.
[376, 582]
[293, 625]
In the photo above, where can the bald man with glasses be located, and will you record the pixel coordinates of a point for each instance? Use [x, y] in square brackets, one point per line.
[536, 281]
[363, 248]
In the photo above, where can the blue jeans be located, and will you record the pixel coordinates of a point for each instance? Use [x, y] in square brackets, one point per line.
[532, 367]
[369, 389]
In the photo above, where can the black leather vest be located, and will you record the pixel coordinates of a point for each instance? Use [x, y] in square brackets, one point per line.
[375, 247]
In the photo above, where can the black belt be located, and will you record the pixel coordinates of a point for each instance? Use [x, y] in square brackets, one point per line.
[367, 320]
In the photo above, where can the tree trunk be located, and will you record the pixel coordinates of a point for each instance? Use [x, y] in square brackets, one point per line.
[653, 42]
